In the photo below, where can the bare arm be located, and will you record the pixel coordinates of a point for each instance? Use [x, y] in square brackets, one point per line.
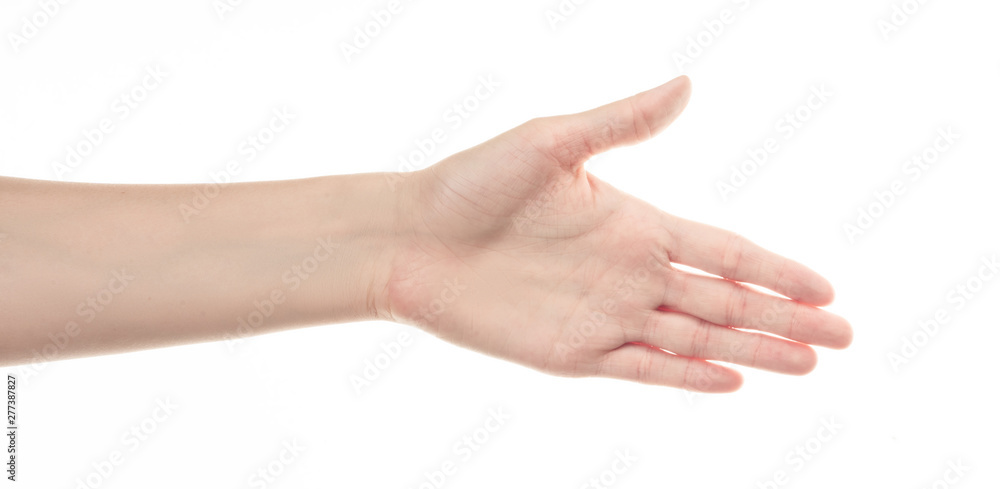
[128, 267]
[510, 248]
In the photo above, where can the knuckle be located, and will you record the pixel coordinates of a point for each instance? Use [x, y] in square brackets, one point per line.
[645, 367]
[701, 339]
[755, 350]
[734, 254]
[793, 321]
[648, 328]
[538, 133]
[692, 379]
[737, 305]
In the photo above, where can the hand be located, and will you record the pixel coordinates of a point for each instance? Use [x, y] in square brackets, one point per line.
[515, 250]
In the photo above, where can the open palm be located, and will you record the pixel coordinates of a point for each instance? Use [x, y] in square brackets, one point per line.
[515, 250]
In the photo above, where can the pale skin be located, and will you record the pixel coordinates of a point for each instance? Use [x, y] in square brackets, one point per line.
[510, 248]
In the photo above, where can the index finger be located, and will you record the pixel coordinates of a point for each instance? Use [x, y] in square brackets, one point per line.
[732, 256]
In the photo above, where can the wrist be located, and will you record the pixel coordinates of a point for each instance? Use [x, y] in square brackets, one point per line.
[362, 216]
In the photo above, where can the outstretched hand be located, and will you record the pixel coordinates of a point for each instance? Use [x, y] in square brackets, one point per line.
[513, 249]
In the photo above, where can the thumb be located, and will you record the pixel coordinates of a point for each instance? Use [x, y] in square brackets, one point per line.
[574, 138]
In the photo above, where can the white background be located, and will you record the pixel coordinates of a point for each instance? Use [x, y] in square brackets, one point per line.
[236, 406]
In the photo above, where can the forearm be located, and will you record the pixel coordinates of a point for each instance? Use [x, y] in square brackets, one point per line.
[115, 268]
